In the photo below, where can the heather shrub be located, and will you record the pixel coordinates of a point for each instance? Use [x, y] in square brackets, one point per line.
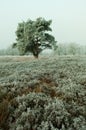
[4, 113]
[43, 94]
[34, 109]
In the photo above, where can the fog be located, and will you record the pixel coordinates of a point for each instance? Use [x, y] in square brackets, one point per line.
[68, 18]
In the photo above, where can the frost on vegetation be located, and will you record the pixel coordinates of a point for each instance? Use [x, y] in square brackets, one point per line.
[34, 109]
[47, 94]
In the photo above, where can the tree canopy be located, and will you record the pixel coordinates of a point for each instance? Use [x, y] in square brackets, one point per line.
[34, 36]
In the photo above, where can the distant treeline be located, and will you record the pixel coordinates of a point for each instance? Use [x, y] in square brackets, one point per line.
[9, 51]
[70, 49]
[63, 49]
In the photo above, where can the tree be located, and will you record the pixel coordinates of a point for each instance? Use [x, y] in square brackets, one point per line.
[33, 36]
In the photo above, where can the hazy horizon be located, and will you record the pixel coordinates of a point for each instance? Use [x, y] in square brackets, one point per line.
[68, 18]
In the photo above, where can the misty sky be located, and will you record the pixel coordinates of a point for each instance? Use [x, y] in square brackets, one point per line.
[68, 18]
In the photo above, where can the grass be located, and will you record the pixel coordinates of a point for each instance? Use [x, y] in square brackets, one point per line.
[61, 78]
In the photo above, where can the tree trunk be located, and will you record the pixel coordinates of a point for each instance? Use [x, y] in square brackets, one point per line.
[35, 54]
[35, 51]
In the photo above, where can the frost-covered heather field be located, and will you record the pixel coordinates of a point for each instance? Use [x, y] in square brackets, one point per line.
[44, 94]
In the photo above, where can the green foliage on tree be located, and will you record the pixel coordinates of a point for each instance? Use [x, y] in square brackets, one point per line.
[33, 36]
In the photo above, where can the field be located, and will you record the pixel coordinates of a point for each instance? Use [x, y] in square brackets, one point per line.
[44, 94]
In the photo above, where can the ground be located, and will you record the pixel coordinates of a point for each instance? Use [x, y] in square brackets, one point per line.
[43, 94]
